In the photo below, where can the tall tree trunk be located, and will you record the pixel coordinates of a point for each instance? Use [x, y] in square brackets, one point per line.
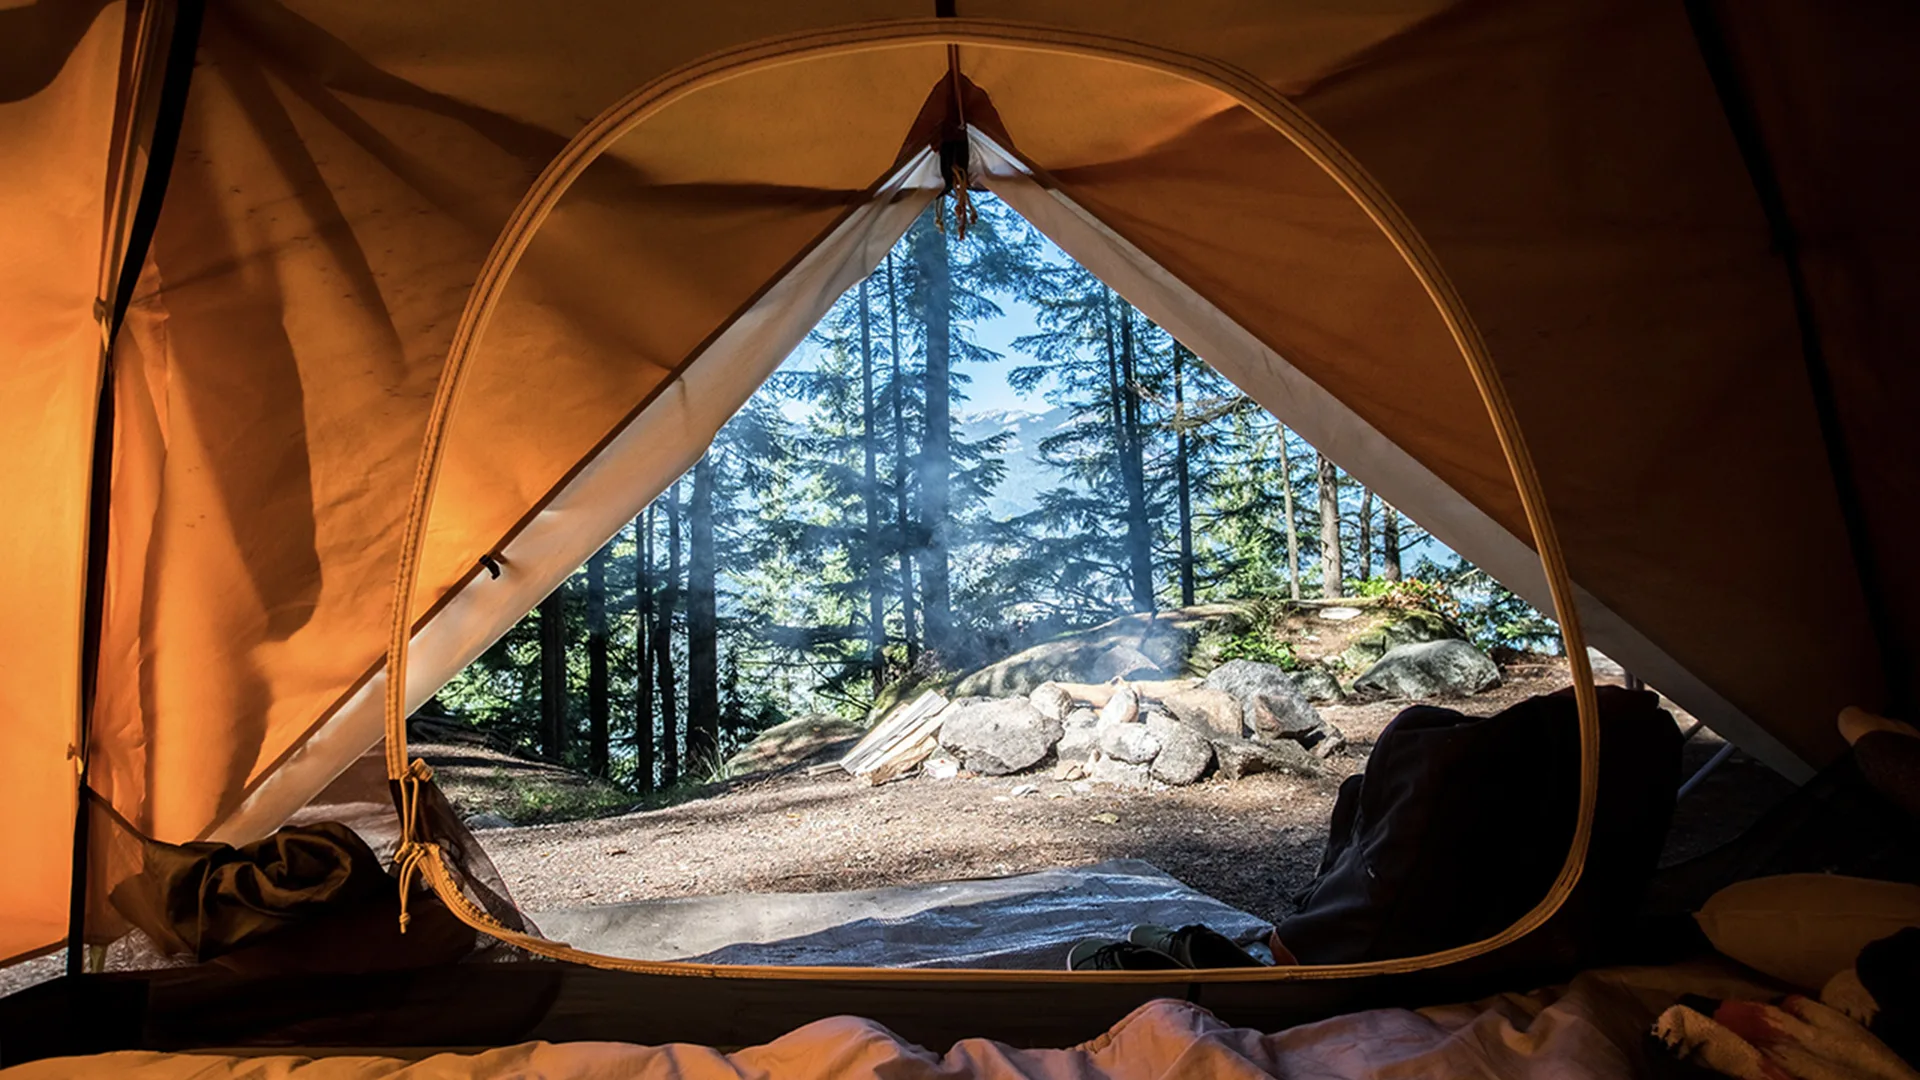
[1125, 403]
[1180, 473]
[909, 605]
[553, 674]
[663, 646]
[870, 496]
[1293, 525]
[936, 444]
[1330, 576]
[703, 637]
[643, 757]
[598, 707]
[1389, 542]
[1366, 533]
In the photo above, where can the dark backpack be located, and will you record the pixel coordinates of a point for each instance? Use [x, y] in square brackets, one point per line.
[1460, 824]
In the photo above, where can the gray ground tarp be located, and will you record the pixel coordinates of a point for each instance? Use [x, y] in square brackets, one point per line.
[1025, 921]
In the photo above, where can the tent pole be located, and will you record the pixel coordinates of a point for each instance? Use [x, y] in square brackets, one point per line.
[112, 309]
[1711, 39]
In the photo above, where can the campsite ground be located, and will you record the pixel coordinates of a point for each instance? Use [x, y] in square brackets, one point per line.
[1251, 842]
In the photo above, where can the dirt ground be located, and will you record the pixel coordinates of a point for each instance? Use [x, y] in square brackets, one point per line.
[1251, 843]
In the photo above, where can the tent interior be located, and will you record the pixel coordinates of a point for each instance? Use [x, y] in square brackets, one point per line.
[307, 298]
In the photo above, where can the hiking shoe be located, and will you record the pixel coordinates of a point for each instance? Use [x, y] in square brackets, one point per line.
[1192, 946]
[1096, 954]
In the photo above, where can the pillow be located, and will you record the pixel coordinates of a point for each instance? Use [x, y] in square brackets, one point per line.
[1803, 929]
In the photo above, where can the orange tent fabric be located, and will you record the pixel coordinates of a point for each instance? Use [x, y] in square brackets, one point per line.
[343, 170]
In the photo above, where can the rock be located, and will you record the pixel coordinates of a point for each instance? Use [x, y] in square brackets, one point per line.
[1429, 669]
[1023, 790]
[1080, 736]
[1130, 647]
[1318, 686]
[1122, 708]
[1125, 662]
[1124, 774]
[1270, 703]
[940, 765]
[1245, 757]
[1214, 712]
[1131, 743]
[1184, 752]
[1408, 627]
[1050, 701]
[488, 821]
[1068, 771]
[997, 737]
[801, 739]
[1331, 741]
[1339, 614]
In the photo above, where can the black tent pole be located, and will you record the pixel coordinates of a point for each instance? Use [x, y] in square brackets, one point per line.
[1710, 36]
[171, 111]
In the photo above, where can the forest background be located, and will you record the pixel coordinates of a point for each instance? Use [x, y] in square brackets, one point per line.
[981, 446]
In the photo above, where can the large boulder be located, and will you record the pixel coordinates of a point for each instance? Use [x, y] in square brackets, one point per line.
[1131, 743]
[998, 736]
[1133, 647]
[1214, 712]
[1051, 700]
[1184, 753]
[1319, 685]
[1406, 627]
[1269, 701]
[1106, 770]
[1080, 737]
[1122, 708]
[1245, 757]
[806, 738]
[1429, 669]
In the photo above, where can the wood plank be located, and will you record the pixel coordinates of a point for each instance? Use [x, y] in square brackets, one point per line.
[891, 730]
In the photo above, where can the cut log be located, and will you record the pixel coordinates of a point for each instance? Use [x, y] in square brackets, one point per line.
[1098, 694]
[903, 727]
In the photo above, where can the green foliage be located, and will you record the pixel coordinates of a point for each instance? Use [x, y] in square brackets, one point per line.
[1262, 644]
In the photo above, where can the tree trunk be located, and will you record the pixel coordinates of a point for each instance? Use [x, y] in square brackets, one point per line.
[703, 637]
[1126, 421]
[936, 444]
[1389, 542]
[598, 707]
[1330, 576]
[870, 497]
[1180, 474]
[1293, 526]
[643, 758]
[1366, 533]
[663, 646]
[909, 606]
[553, 674]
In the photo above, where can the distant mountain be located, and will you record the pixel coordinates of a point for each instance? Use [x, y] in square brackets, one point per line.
[1027, 475]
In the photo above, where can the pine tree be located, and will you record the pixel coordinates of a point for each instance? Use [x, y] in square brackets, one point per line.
[1365, 545]
[1125, 383]
[703, 645]
[1389, 542]
[643, 747]
[870, 498]
[902, 545]
[669, 745]
[1183, 478]
[936, 439]
[598, 705]
[1329, 482]
[1292, 523]
[553, 674]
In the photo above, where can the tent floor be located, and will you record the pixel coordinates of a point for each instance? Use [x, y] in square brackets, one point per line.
[480, 1005]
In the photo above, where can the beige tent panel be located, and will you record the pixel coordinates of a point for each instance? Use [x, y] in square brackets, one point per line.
[57, 136]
